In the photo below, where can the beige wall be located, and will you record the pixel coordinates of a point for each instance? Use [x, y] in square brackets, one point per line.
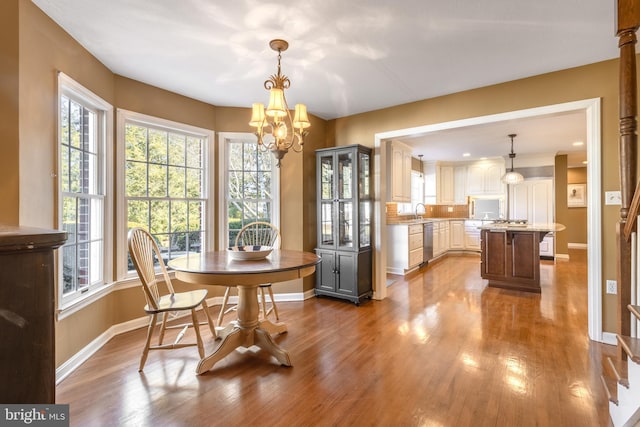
[562, 212]
[593, 81]
[9, 131]
[577, 217]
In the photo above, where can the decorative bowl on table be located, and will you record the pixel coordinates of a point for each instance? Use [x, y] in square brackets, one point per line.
[244, 253]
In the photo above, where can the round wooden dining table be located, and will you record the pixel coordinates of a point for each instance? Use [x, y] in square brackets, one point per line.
[219, 268]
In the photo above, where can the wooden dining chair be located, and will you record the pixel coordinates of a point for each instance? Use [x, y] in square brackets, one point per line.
[259, 233]
[146, 257]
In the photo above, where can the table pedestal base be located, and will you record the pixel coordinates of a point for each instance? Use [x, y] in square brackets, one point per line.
[247, 331]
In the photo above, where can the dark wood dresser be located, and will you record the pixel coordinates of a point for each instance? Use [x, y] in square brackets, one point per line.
[27, 304]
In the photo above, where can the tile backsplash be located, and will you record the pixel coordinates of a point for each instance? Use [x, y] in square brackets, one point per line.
[431, 211]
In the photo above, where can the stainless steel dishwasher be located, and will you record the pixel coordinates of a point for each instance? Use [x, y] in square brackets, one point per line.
[427, 243]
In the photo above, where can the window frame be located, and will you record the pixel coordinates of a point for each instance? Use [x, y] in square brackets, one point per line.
[224, 138]
[74, 91]
[126, 116]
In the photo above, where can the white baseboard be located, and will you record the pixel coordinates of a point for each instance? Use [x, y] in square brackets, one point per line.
[577, 246]
[609, 338]
[70, 365]
[562, 256]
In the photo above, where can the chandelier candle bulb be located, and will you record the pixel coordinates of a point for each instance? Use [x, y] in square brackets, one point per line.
[277, 103]
[300, 119]
[257, 115]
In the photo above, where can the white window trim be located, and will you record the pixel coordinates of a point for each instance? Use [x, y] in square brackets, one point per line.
[223, 140]
[74, 90]
[122, 117]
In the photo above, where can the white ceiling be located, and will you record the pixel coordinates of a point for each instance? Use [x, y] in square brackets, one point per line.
[345, 57]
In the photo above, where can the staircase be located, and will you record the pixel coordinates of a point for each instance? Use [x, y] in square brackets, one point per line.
[621, 379]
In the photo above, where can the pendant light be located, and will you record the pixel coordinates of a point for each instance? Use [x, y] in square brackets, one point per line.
[512, 177]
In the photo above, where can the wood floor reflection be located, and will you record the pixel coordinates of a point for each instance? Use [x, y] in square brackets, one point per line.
[441, 350]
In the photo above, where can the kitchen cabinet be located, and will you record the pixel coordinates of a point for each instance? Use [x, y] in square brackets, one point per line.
[446, 186]
[400, 168]
[533, 200]
[472, 235]
[430, 183]
[405, 249]
[440, 237]
[457, 235]
[460, 185]
[511, 259]
[344, 207]
[485, 178]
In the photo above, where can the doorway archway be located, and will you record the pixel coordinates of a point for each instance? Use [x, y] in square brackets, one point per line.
[592, 109]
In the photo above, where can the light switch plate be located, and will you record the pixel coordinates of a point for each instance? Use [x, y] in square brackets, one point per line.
[449, 208]
[612, 198]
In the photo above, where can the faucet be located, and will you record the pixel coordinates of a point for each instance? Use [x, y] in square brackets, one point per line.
[416, 212]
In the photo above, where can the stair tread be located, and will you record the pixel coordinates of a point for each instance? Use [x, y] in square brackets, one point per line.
[631, 346]
[635, 310]
[619, 370]
[611, 388]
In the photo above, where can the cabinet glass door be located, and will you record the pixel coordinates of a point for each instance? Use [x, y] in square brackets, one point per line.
[326, 177]
[345, 175]
[363, 175]
[345, 224]
[326, 223]
[365, 223]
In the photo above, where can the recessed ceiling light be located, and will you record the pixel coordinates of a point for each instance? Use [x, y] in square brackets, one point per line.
[578, 144]
[466, 154]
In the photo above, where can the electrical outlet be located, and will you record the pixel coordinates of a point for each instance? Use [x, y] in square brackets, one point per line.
[612, 287]
[449, 208]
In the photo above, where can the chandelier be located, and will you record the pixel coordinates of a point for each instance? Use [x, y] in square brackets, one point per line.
[512, 177]
[275, 130]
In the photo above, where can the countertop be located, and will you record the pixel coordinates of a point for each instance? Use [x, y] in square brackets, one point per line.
[427, 220]
[553, 227]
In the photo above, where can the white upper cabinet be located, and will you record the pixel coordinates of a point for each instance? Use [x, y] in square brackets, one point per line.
[444, 179]
[400, 176]
[485, 178]
[532, 200]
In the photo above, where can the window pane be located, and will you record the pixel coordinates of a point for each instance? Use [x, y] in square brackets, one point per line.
[75, 124]
[69, 218]
[194, 183]
[75, 166]
[195, 216]
[177, 149]
[251, 185]
[159, 217]
[157, 146]
[194, 152]
[136, 179]
[135, 142]
[96, 221]
[69, 269]
[83, 220]
[264, 185]
[179, 216]
[138, 214]
[157, 180]
[177, 181]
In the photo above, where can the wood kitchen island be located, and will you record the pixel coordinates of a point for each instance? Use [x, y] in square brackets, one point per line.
[510, 254]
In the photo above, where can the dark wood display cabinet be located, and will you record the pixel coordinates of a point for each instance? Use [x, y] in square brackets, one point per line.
[344, 222]
[27, 303]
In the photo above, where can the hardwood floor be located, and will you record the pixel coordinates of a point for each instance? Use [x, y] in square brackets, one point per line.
[441, 350]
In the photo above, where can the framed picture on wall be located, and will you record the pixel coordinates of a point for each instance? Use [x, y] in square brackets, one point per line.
[577, 195]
